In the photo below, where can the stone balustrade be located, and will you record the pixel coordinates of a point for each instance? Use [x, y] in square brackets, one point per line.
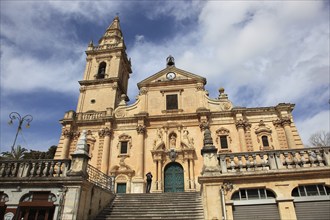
[91, 115]
[100, 179]
[274, 160]
[103, 47]
[34, 168]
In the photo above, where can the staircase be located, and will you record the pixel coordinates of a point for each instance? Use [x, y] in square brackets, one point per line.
[185, 205]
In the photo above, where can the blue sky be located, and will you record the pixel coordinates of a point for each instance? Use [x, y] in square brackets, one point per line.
[262, 52]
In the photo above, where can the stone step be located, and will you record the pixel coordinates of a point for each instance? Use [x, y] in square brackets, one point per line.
[153, 210]
[154, 206]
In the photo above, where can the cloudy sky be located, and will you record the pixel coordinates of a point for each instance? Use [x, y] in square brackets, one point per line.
[262, 52]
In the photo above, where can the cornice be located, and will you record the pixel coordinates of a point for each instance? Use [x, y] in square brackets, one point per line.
[269, 175]
[170, 82]
[98, 81]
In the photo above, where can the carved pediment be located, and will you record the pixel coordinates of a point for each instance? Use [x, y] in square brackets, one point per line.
[262, 128]
[122, 168]
[180, 75]
[160, 146]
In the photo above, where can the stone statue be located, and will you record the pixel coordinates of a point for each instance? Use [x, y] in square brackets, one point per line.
[187, 138]
[173, 141]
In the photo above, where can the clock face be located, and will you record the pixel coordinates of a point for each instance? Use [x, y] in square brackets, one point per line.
[170, 75]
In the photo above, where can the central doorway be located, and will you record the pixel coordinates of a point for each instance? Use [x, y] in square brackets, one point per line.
[173, 178]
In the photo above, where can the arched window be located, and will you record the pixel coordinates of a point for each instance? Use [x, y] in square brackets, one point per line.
[311, 190]
[311, 201]
[265, 142]
[3, 199]
[253, 203]
[250, 194]
[37, 205]
[101, 71]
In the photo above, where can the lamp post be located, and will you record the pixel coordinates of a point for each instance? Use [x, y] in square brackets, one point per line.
[16, 116]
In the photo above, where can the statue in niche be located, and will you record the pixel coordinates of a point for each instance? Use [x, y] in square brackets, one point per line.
[173, 141]
[187, 138]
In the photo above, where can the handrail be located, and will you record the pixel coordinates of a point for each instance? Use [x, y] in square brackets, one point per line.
[100, 179]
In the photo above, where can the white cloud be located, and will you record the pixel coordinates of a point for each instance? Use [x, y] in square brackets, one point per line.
[24, 73]
[263, 53]
[180, 10]
[310, 125]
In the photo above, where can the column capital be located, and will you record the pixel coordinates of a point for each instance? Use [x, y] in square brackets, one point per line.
[242, 124]
[141, 129]
[285, 121]
[277, 123]
[67, 133]
[105, 132]
[204, 125]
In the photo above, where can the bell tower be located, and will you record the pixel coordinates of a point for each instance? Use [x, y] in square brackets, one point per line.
[107, 72]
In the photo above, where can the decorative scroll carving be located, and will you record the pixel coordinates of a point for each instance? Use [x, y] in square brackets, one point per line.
[199, 86]
[285, 121]
[141, 129]
[204, 125]
[114, 85]
[242, 123]
[123, 168]
[262, 128]
[143, 91]
[67, 133]
[105, 132]
[120, 113]
[159, 138]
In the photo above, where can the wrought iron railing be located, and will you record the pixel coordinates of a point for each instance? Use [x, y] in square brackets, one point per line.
[274, 160]
[34, 168]
[100, 179]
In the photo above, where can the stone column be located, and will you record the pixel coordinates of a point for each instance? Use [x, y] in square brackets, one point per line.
[192, 174]
[106, 133]
[240, 125]
[138, 181]
[140, 150]
[66, 144]
[286, 122]
[159, 174]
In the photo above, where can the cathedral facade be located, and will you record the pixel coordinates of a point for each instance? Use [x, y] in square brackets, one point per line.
[162, 131]
[244, 163]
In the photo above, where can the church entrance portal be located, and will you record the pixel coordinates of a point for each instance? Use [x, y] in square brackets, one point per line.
[173, 178]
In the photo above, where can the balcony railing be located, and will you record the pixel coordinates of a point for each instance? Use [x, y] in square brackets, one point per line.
[35, 168]
[91, 115]
[274, 160]
[100, 179]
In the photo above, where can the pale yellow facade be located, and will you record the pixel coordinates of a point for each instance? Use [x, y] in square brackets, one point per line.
[147, 124]
[165, 126]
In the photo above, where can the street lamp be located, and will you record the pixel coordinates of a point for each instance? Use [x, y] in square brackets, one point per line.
[27, 119]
